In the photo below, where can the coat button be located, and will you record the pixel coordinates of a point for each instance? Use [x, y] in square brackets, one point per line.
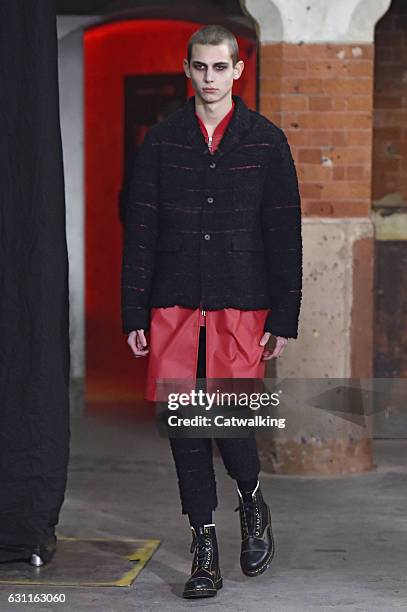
[207, 236]
[210, 200]
[212, 165]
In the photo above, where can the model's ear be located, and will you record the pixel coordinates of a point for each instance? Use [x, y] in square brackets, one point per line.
[186, 68]
[238, 69]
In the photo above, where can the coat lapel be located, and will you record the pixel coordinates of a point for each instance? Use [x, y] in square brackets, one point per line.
[238, 126]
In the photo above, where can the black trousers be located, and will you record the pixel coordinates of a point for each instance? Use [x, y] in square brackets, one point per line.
[194, 459]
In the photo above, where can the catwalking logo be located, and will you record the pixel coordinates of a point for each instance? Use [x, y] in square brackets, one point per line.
[221, 420]
[204, 413]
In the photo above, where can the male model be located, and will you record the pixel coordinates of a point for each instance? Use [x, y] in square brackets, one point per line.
[212, 267]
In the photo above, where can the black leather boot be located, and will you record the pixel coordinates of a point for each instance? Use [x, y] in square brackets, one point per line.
[205, 577]
[257, 537]
[43, 553]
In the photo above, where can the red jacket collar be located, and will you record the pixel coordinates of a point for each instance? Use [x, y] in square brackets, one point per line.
[222, 125]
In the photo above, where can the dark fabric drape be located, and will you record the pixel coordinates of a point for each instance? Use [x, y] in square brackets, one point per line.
[34, 323]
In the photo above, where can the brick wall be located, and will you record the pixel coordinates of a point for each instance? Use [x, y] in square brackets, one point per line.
[322, 95]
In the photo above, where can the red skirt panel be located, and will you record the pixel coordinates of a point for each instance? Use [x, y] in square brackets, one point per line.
[232, 345]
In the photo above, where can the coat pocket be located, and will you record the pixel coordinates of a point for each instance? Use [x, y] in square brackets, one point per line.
[246, 241]
[169, 243]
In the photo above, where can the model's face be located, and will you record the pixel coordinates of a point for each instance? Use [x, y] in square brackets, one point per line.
[212, 72]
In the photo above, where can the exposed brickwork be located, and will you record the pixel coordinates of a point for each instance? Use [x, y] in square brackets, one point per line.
[390, 104]
[322, 96]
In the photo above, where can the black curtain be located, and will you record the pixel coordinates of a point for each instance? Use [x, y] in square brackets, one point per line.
[34, 306]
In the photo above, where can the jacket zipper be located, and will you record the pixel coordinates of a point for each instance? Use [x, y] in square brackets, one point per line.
[197, 349]
[203, 312]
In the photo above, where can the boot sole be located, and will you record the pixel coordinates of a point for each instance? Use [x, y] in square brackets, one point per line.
[203, 592]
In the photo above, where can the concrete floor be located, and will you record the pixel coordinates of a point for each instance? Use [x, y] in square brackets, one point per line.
[341, 543]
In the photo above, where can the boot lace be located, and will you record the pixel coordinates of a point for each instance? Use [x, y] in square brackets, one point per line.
[202, 546]
[251, 519]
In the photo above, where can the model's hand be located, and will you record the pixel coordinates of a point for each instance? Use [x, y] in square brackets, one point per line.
[268, 354]
[138, 343]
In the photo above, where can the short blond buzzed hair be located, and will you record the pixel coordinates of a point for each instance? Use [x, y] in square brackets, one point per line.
[214, 35]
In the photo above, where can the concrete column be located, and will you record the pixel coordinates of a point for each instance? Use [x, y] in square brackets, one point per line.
[70, 70]
[316, 82]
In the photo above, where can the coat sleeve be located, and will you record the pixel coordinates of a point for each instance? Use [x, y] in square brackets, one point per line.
[139, 237]
[281, 226]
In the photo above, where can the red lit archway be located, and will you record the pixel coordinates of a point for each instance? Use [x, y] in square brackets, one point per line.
[112, 53]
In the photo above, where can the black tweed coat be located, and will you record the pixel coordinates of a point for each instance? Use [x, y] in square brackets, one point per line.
[222, 230]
